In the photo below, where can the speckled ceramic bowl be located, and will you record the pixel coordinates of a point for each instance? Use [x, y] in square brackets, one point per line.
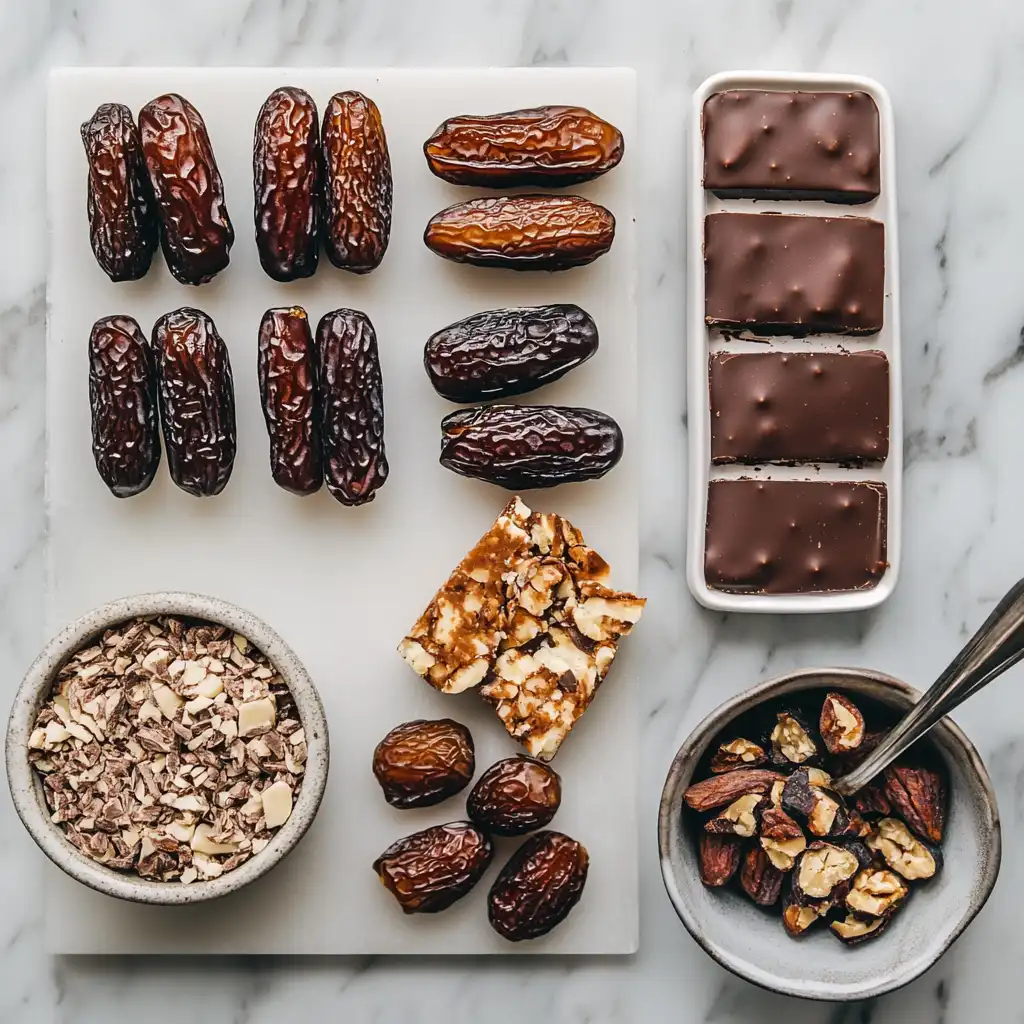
[754, 945]
[27, 790]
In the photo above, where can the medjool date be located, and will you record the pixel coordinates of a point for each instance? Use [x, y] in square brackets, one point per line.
[123, 397]
[515, 796]
[286, 184]
[351, 406]
[524, 446]
[421, 763]
[197, 401]
[196, 232]
[123, 226]
[522, 232]
[357, 187]
[287, 377]
[549, 146]
[504, 352]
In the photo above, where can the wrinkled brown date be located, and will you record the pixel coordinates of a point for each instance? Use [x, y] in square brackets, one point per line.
[287, 378]
[196, 232]
[542, 881]
[357, 188]
[523, 232]
[421, 763]
[429, 870]
[123, 226]
[351, 406]
[504, 352]
[123, 398]
[524, 446]
[548, 146]
[286, 184]
[197, 401]
[515, 796]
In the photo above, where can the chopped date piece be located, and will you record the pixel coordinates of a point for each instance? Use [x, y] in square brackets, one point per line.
[760, 879]
[791, 741]
[903, 851]
[197, 401]
[196, 232]
[287, 184]
[530, 446]
[809, 800]
[123, 399]
[548, 146]
[123, 227]
[738, 753]
[919, 795]
[797, 916]
[855, 928]
[822, 871]
[719, 858]
[782, 839]
[876, 892]
[421, 763]
[357, 183]
[841, 725]
[872, 802]
[738, 819]
[288, 390]
[720, 790]
[515, 796]
[351, 406]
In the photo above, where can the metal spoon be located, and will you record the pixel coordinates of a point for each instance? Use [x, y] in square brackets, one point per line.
[997, 646]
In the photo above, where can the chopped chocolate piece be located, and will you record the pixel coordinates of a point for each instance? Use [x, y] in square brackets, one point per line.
[799, 407]
[794, 537]
[777, 274]
[791, 145]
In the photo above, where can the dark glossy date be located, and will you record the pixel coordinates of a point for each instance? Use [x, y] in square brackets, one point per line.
[429, 870]
[505, 352]
[123, 226]
[524, 446]
[523, 232]
[287, 378]
[546, 146]
[515, 796]
[123, 399]
[351, 406]
[286, 184]
[357, 187]
[421, 763]
[197, 401]
[537, 888]
[196, 232]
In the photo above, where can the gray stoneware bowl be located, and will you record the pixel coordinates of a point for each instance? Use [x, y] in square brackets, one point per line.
[754, 945]
[27, 790]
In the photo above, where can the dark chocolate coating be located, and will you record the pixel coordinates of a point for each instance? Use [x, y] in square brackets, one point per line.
[799, 407]
[791, 145]
[794, 536]
[775, 274]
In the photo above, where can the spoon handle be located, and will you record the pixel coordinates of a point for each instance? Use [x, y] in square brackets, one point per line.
[997, 646]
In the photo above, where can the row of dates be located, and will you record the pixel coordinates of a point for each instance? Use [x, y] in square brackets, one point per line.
[329, 185]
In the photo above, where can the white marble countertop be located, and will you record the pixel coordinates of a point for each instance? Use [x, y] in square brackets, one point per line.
[956, 76]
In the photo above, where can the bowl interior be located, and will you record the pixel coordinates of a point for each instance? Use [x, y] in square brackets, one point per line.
[753, 944]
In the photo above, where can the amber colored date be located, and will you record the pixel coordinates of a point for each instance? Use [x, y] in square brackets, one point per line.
[287, 377]
[351, 406]
[429, 870]
[515, 796]
[123, 227]
[421, 763]
[196, 232]
[523, 232]
[123, 399]
[548, 146]
[537, 888]
[357, 187]
[504, 352]
[197, 401]
[524, 446]
[286, 184]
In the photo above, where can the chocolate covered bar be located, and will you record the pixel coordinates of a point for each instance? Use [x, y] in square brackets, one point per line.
[799, 407]
[775, 274]
[794, 536]
[791, 145]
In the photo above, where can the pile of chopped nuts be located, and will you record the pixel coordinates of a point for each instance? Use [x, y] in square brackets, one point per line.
[169, 748]
[779, 828]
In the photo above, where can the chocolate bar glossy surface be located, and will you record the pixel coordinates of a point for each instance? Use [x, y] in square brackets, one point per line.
[791, 145]
[794, 536]
[772, 274]
[799, 407]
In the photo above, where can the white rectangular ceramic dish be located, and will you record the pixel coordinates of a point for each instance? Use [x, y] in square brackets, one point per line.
[701, 342]
[344, 585]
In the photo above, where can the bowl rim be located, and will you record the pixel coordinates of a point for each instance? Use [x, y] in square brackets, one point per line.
[26, 785]
[810, 989]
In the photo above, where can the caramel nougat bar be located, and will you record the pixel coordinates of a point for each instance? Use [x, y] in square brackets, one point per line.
[526, 618]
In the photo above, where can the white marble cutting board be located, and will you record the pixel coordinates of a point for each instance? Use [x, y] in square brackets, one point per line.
[342, 585]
